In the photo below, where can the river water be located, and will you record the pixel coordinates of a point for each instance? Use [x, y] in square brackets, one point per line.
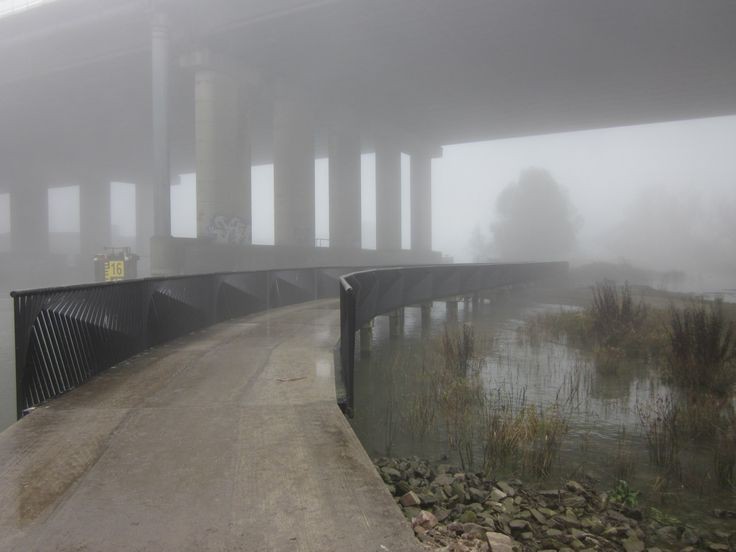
[605, 441]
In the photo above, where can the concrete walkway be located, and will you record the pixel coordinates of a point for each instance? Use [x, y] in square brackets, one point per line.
[228, 439]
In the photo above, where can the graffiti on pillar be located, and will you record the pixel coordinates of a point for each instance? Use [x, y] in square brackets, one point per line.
[232, 230]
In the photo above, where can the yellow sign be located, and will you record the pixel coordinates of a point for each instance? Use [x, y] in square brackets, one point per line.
[114, 270]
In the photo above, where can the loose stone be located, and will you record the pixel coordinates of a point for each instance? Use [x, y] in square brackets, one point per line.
[410, 499]
[499, 542]
[466, 512]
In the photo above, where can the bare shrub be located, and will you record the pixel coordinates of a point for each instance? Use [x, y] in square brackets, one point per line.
[702, 348]
[658, 420]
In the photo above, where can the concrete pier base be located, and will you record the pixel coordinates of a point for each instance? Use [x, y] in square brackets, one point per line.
[451, 310]
[426, 316]
[366, 339]
[396, 323]
[477, 302]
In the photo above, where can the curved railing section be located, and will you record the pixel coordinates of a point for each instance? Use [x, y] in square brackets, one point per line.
[366, 294]
[66, 335]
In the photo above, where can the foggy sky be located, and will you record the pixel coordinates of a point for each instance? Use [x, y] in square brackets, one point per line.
[609, 173]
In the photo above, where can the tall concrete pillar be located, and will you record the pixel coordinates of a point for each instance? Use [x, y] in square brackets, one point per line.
[345, 211]
[293, 174]
[421, 202]
[222, 158]
[94, 219]
[426, 316]
[143, 225]
[366, 338]
[29, 219]
[451, 310]
[396, 323]
[388, 196]
[160, 105]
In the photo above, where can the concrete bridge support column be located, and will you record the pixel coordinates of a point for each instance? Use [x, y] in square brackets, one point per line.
[366, 338]
[396, 323]
[451, 309]
[94, 219]
[293, 174]
[345, 211]
[29, 219]
[421, 201]
[388, 196]
[477, 302]
[143, 224]
[160, 61]
[426, 316]
[222, 158]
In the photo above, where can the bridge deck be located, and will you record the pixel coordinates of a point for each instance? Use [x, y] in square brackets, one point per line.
[228, 439]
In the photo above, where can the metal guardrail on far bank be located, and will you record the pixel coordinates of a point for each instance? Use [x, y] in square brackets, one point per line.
[66, 335]
[366, 294]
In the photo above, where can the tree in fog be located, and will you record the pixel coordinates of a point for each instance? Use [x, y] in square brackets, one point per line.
[479, 246]
[535, 219]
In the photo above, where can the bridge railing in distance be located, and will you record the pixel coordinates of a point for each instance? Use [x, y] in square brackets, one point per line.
[66, 335]
[366, 294]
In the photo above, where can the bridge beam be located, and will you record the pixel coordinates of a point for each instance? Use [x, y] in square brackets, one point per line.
[293, 174]
[345, 206]
[388, 196]
[222, 153]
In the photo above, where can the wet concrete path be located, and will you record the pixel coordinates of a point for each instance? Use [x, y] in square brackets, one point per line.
[227, 439]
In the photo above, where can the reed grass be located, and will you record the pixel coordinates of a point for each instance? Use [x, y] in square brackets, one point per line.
[659, 421]
[485, 428]
[702, 348]
[724, 452]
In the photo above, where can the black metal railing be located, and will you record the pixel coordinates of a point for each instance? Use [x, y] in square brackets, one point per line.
[66, 335]
[364, 295]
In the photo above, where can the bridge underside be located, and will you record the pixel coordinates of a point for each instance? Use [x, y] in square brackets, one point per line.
[93, 92]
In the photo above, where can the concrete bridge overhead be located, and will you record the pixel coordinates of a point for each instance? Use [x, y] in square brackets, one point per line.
[140, 91]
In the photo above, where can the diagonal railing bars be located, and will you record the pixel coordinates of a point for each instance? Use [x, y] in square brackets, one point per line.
[66, 335]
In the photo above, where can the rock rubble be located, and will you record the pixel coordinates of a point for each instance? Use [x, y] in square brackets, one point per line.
[455, 511]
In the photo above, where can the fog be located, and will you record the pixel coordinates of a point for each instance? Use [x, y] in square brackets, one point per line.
[236, 113]
[659, 196]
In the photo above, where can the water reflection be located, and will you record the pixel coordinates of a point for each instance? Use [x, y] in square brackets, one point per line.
[603, 408]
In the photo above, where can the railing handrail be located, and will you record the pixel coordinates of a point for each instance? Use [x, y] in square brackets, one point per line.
[90, 285]
[64, 335]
